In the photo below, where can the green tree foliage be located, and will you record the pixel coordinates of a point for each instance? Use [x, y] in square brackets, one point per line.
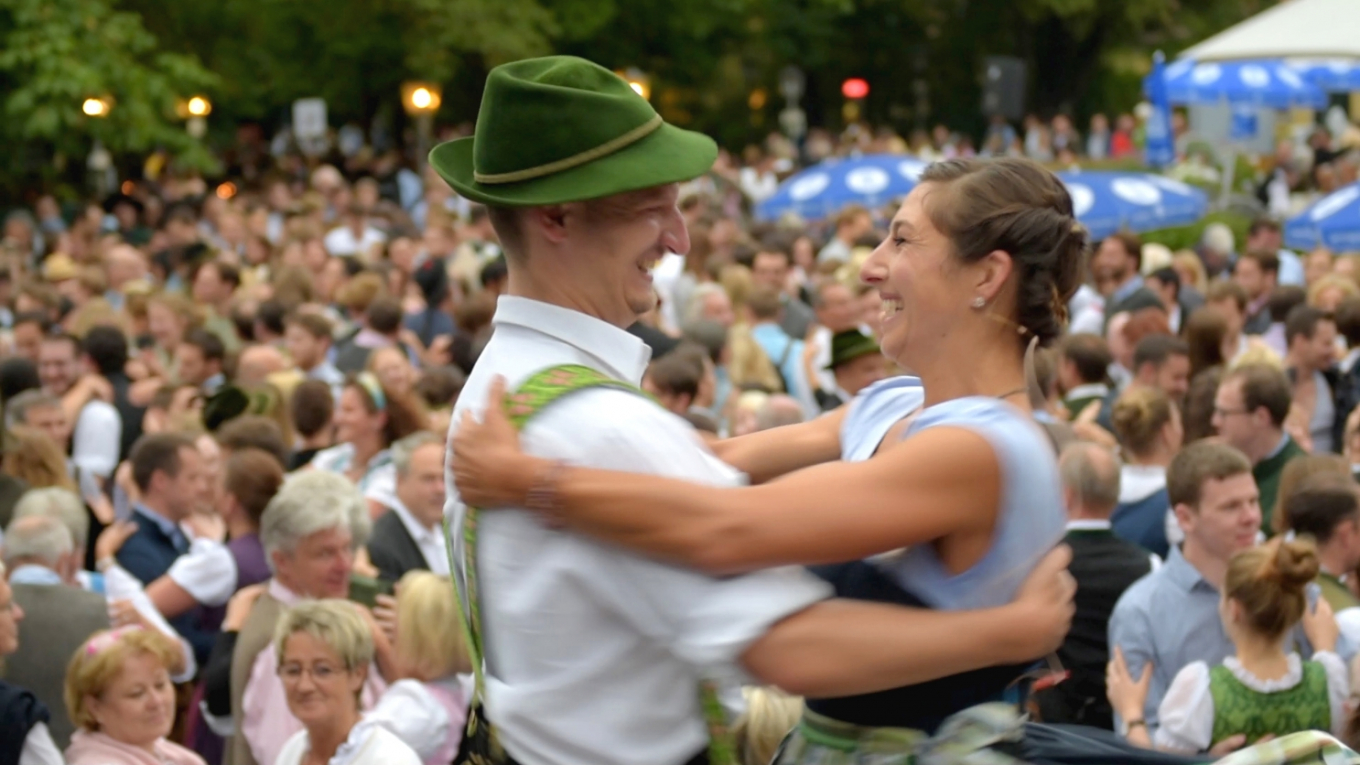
[56, 53]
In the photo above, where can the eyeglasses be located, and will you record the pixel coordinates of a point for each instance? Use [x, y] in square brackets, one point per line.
[320, 673]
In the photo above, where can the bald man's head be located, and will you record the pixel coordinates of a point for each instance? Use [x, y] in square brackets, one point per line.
[778, 410]
[124, 264]
[257, 363]
[1090, 476]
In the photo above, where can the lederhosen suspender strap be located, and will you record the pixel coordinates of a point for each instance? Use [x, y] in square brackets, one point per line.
[480, 743]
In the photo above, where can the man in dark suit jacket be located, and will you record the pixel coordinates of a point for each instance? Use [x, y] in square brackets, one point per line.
[168, 470]
[58, 617]
[1104, 566]
[408, 537]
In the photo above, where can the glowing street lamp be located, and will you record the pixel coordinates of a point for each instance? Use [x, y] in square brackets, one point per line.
[199, 106]
[420, 98]
[97, 107]
[638, 81]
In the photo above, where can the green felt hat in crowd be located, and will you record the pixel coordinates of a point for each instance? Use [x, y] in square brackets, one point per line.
[849, 345]
[562, 129]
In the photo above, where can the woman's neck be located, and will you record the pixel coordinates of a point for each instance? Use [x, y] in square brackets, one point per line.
[325, 738]
[239, 526]
[364, 450]
[1159, 457]
[995, 368]
[1263, 657]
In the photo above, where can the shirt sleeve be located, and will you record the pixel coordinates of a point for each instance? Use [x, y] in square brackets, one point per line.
[207, 572]
[408, 711]
[1131, 631]
[39, 748]
[1338, 688]
[1187, 712]
[120, 585]
[706, 621]
[97, 439]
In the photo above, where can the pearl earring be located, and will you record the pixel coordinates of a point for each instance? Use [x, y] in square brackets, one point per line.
[979, 302]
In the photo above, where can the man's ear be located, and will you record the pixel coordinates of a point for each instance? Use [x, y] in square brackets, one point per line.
[550, 222]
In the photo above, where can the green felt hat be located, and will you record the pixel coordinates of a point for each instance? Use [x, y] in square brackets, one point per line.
[562, 129]
[849, 345]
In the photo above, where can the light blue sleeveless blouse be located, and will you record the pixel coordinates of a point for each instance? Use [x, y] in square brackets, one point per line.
[1032, 518]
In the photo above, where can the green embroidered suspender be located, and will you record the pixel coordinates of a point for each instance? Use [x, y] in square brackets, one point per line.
[541, 389]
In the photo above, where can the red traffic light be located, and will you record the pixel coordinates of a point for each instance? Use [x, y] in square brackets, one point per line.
[855, 88]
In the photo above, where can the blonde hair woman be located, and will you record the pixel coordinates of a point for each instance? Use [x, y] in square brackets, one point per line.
[1150, 434]
[34, 458]
[427, 709]
[1190, 269]
[119, 695]
[325, 651]
[770, 715]
[1328, 292]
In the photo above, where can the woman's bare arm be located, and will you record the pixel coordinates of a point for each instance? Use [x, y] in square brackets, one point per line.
[768, 454]
[941, 482]
[169, 598]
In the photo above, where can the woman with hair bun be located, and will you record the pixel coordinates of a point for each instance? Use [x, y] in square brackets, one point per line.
[1263, 690]
[1149, 430]
[977, 269]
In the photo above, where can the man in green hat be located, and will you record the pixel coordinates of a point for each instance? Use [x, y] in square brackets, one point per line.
[856, 363]
[587, 654]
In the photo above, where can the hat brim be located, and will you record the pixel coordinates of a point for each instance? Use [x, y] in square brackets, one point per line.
[864, 350]
[668, 155]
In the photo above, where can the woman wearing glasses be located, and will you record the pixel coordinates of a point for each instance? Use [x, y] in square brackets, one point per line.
[325, 651]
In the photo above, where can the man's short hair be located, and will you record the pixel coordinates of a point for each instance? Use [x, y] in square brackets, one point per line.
[404, 448]
[1348, 320]
[1284, 299]
[33, 317]
[1263, 385]
[254, 431]
[1303, 321]
[711, 335]
[509, 229]
[16, 411]
[253, 476]
[1263, 224]
[1320, 503]
[384, 315]
[309, 502]
[1269, 262]
[157, 453]
[1198, 463]
[107, 348]
[765, 303]
[1227, 290]
[1091, 355]
[1092, 472]
[271, 314]
[312, 323]
[208, 342]
[37, 538]
[311, 406]
[1132, 244]
[779, 410]
[1168, 276]
[1156, 349]
[676, 374]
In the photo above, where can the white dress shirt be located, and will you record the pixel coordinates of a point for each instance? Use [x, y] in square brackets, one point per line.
[430, 541]
[595, 655]
[97, 438]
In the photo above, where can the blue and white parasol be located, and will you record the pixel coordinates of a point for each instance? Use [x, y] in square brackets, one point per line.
[1333, 222]
[1332, 75]
[1266, 83]
[1106, 202]
[824, 189]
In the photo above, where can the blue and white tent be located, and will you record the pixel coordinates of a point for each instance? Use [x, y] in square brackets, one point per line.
[1106, 202]
[824, 189]
[1332, 75]
[1333, 222]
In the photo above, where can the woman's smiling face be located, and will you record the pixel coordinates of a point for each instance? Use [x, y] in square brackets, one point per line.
[922, 286]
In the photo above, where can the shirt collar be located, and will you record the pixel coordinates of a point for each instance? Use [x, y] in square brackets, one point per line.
[166, 525]
[1182, 574]
[622, 355]
[282, 594]
[413, 527]
[1127, 288]
[1088, 524]
[31, 573]
[1089, 390]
